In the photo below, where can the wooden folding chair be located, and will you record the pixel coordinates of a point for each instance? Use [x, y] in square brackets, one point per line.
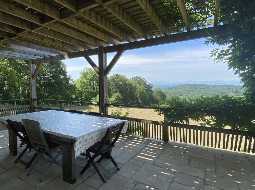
[20, 132]
[38, 141]
[103, 148]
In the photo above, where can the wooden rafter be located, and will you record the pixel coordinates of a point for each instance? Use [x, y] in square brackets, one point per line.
[8, 29]
[69, 4]
[43, 7]
[20, 23]
[62, 37]
[10, 8]
[13, 21]
[104, 24]
[41, 40]
[62, 28]
[122, 15]
[182, 7]
[148, 9]
[92, 17]
[217, 11]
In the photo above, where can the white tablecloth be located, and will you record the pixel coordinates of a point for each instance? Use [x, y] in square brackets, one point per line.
[84, 129]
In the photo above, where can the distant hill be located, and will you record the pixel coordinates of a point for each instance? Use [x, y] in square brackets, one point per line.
[195, 90]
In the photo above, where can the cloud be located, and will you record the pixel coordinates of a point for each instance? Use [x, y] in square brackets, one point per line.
[186, 56]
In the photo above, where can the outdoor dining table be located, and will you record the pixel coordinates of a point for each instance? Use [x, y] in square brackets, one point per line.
[73, 131]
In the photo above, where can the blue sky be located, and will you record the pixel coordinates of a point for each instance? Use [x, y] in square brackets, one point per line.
[182, 62]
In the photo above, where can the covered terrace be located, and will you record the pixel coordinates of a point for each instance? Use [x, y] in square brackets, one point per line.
[43, 30]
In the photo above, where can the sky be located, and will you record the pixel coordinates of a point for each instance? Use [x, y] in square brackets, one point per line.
[181, 62]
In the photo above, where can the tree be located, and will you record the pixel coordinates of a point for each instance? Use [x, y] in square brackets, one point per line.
[53, 82]
[238, 41]
[122, 89]
[87, 85]
[144, 92]
[159, 96]
[14, 80]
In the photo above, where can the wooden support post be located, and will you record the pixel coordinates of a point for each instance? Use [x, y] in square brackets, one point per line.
[102, 62]
[165, 131]
[33, 87]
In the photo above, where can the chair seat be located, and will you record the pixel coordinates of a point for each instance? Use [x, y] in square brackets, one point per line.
[94, 148]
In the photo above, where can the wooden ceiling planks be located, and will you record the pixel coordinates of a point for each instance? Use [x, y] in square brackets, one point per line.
[72, 27]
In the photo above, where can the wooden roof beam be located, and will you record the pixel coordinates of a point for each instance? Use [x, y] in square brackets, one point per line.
[121, 14]
[10, 20]
[10, 8]
[69, 4]
[149, 10]
[18, 55]
[62, 37]
[104, 24]
[44, 8]
[51, 43]
[14, 21]
[181, 5]
[22, 14]
[92, 17]
[217, 12]
[171, 38]
[7, 28]
[31, 48]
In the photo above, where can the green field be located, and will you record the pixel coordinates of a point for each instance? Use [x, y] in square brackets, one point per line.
[196, 90]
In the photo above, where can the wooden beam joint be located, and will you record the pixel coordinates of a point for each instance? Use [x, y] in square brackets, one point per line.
[92, 63]
[113, 61]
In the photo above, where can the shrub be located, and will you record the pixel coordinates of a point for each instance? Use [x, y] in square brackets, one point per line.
[217, 111]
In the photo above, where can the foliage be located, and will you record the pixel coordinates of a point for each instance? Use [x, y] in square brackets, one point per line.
[14, 80]
[159, 96]
[53, 82]
[197, 90]
[118, 113]
[218, 111]
[87, 85]
[238, 41]
[121, 90]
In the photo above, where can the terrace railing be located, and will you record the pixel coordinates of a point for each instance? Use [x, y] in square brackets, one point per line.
[228, 139]
[12, 107]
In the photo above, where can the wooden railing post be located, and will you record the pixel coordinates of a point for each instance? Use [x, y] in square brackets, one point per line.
[165, 131]
[33, 87]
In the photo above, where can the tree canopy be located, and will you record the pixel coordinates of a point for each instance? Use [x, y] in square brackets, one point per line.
[238, 41]
[52, 81]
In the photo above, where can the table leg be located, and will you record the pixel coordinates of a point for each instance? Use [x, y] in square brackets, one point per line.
[12, 142]
[68, 164]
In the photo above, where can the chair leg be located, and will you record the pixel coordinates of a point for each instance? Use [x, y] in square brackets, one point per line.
[98, 172]
[100, 159]
[21, 154]
[114, 163]
[51, 158]
[31, 161]
[85, 167]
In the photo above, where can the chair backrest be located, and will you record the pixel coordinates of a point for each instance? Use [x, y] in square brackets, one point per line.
[18, 128]
[35, 134]
[113, 134]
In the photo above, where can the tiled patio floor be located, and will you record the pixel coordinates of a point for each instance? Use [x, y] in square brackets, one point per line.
[145, 164]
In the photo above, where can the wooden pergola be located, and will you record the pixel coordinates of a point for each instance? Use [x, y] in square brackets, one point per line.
[45, 30]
